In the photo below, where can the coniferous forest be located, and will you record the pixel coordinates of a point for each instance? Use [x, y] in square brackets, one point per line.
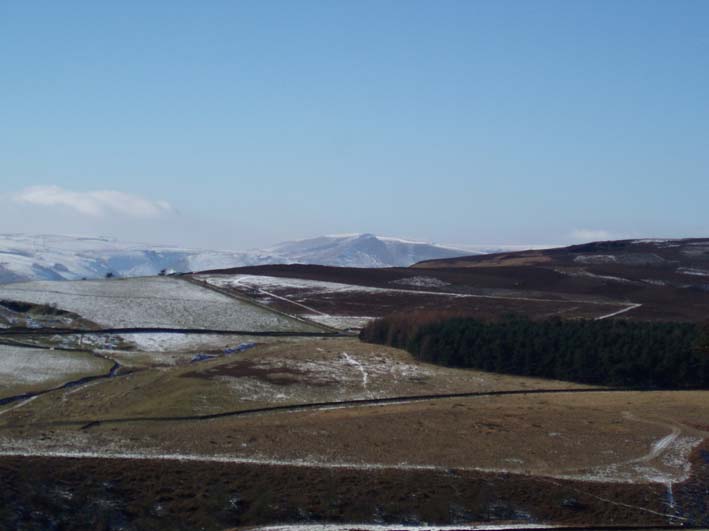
[620, 353]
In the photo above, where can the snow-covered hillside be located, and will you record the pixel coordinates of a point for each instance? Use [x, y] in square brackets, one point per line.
[53, 257]
[361, 250]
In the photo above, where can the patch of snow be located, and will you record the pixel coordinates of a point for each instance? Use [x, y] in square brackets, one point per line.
[177, 342]
[693, 271]
[588, 274]
[596, 259]
[613, 314]
[28, 366]
[341, 322]
[352, 361]
[281, 283]
[654, 282]
[421, 282]
[160, 302]
[26, 257]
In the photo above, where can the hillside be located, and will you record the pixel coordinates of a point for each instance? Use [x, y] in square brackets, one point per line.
[646, 279]
[56, 257]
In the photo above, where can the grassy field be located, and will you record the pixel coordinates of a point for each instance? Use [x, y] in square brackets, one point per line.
[25, 370]
[273, 373]
[579, 455]
[629, 436]
[152, 302]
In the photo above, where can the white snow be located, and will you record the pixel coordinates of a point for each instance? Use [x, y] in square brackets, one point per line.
[588, 274]
[363, 376]
[352, 361]
[265, 283]
[162, 302]
[693, 271]
[596, 259]
[613, 314]
[421, 282]
[294, 290]
[168, 342]
[28, 366]
[26, 257]
[666, 461]
[341, 322]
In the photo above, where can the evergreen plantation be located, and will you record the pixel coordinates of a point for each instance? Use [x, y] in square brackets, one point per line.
[607, 352]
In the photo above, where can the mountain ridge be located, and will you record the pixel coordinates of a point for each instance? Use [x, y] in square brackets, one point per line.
[26, 257]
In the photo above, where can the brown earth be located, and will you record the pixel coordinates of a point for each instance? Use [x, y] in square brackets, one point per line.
[476, 303]
[106, 494]
[669, 278]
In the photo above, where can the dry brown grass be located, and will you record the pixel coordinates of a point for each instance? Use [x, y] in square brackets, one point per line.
[318, 370]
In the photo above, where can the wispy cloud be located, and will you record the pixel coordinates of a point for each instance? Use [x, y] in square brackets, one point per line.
[95, 202]
[590, 235]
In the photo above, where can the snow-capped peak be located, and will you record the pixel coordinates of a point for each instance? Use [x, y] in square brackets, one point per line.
[57, 257]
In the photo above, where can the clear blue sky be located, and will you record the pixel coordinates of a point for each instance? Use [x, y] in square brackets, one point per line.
[258, 121]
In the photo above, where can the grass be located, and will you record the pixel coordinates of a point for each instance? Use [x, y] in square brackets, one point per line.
[601, 442]
[25, 370]
[152, 302]
[571, 435]
[320, 370]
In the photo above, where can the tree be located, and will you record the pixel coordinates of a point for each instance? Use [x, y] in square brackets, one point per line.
[110, 274]
[704, 338]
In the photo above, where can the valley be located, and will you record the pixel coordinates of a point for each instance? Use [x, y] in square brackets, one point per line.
[244, 398]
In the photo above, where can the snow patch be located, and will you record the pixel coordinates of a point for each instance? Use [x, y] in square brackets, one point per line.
[693, 271]
[27, 366]
[421, 282]
[160, 302]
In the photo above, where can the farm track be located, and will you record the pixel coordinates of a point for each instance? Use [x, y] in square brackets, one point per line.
[624, 310]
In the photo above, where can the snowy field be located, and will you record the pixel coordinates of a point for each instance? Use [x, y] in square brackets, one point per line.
[187, 342]
[26, 368]
[283, 288]
[272, 286]
[160, 302]
[267, 284]
[341, 322]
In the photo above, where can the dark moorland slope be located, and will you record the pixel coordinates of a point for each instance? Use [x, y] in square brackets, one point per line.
[668, 280]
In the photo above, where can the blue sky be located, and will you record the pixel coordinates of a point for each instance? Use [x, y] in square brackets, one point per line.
[239, 124]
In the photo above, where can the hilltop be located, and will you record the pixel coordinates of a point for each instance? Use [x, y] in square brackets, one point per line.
[643, 279]
[26, 257]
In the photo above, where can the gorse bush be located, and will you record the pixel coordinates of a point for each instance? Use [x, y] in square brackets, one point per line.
[607, 352]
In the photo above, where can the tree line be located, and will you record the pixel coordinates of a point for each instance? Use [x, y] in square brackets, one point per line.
[668, 355]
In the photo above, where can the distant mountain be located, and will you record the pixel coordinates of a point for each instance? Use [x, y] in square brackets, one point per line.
[56, 257]
[361, 250]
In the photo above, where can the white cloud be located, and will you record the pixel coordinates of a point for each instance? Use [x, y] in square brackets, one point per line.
[94, 203]
[592, 235]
